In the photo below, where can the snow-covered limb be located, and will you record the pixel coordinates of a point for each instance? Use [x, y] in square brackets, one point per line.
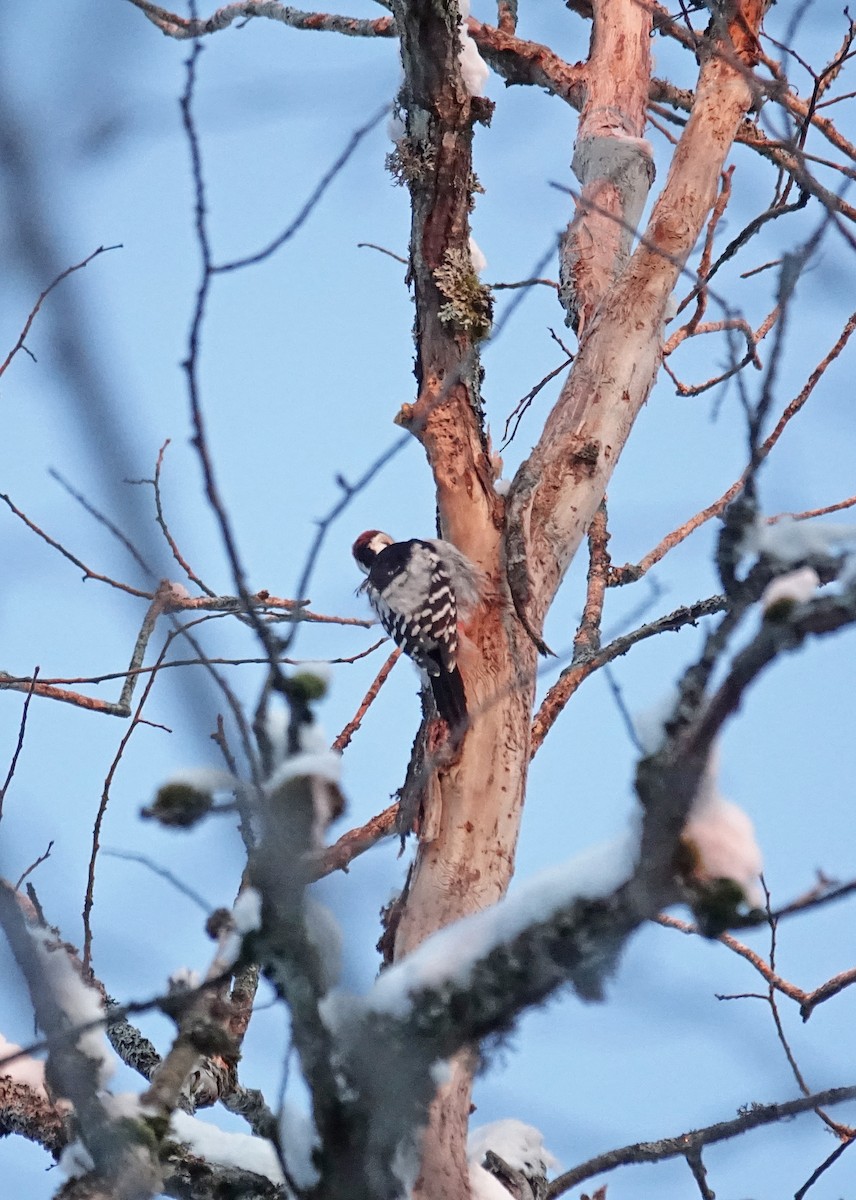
[75, 1161]
[23, 1069]
[522, 1146]
[299, 1140]
[246, 917]
[792, 541]
[320, 768]
[722, 861]
[669, 779]
[241, 1150]
[796, 587]
[78, 1003]
[512, 1148]
[323, 764]
[78, 1063]
[453, 955]
[471, 980]
[295, 948]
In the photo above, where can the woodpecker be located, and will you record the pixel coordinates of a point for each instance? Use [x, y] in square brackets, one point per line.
[419, 589]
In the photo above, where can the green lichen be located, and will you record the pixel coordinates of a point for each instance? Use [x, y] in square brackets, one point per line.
[469, 304]
[409, 163]
[179, 805]
[309, 685]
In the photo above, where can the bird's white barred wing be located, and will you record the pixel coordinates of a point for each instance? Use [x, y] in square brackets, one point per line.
[417, 608]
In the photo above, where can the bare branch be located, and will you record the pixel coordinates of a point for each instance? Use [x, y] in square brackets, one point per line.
[19, 345]
[571, 678]
[524, 62]
[89, 898]
[350, 845]
[22, 729]
[809, 513]
[165, 530]
[629, 573]
[182, 28]
[754, 1117]
[523, 404]
[557, 490]
[35, 863]
[343, 738]
[312, 202]
[824, 1166]
[87, 573]
[104, 520]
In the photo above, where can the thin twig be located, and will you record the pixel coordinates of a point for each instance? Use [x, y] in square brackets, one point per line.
[631, 572]
[829, 1161]
[21, 682]
[89, 898]
[751, 956]
[104, 520]
[809, 513]
[349, 491]
[343, 738]
[19, 345]
[355, 842]
[623, 710]
[169, 876]
[772, 921]
[523, 404]
[22, 729]
[191, 364]
[311, 203]
[36, 863]
[87, 573]
[165, 530]
[523, 283]
[571, 678]
[382, 250]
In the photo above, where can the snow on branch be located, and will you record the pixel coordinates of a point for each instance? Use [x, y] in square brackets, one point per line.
[503, 1151]
[464, 983]
[79, 1060]
[676, 774]
[720, 859]
[474, 70]
[790, 541]
[240, 1150]
[451, 957]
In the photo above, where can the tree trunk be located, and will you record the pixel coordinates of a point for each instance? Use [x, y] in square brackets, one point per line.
[619, 302]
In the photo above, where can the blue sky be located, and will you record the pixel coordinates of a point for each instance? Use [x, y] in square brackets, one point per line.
[305, 361]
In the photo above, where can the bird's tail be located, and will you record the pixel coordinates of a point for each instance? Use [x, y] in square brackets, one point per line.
[450, 697]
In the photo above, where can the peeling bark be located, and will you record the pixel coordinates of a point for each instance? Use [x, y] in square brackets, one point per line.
[472, 808]
[620, 300]
[558, 489]
[612, 161]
